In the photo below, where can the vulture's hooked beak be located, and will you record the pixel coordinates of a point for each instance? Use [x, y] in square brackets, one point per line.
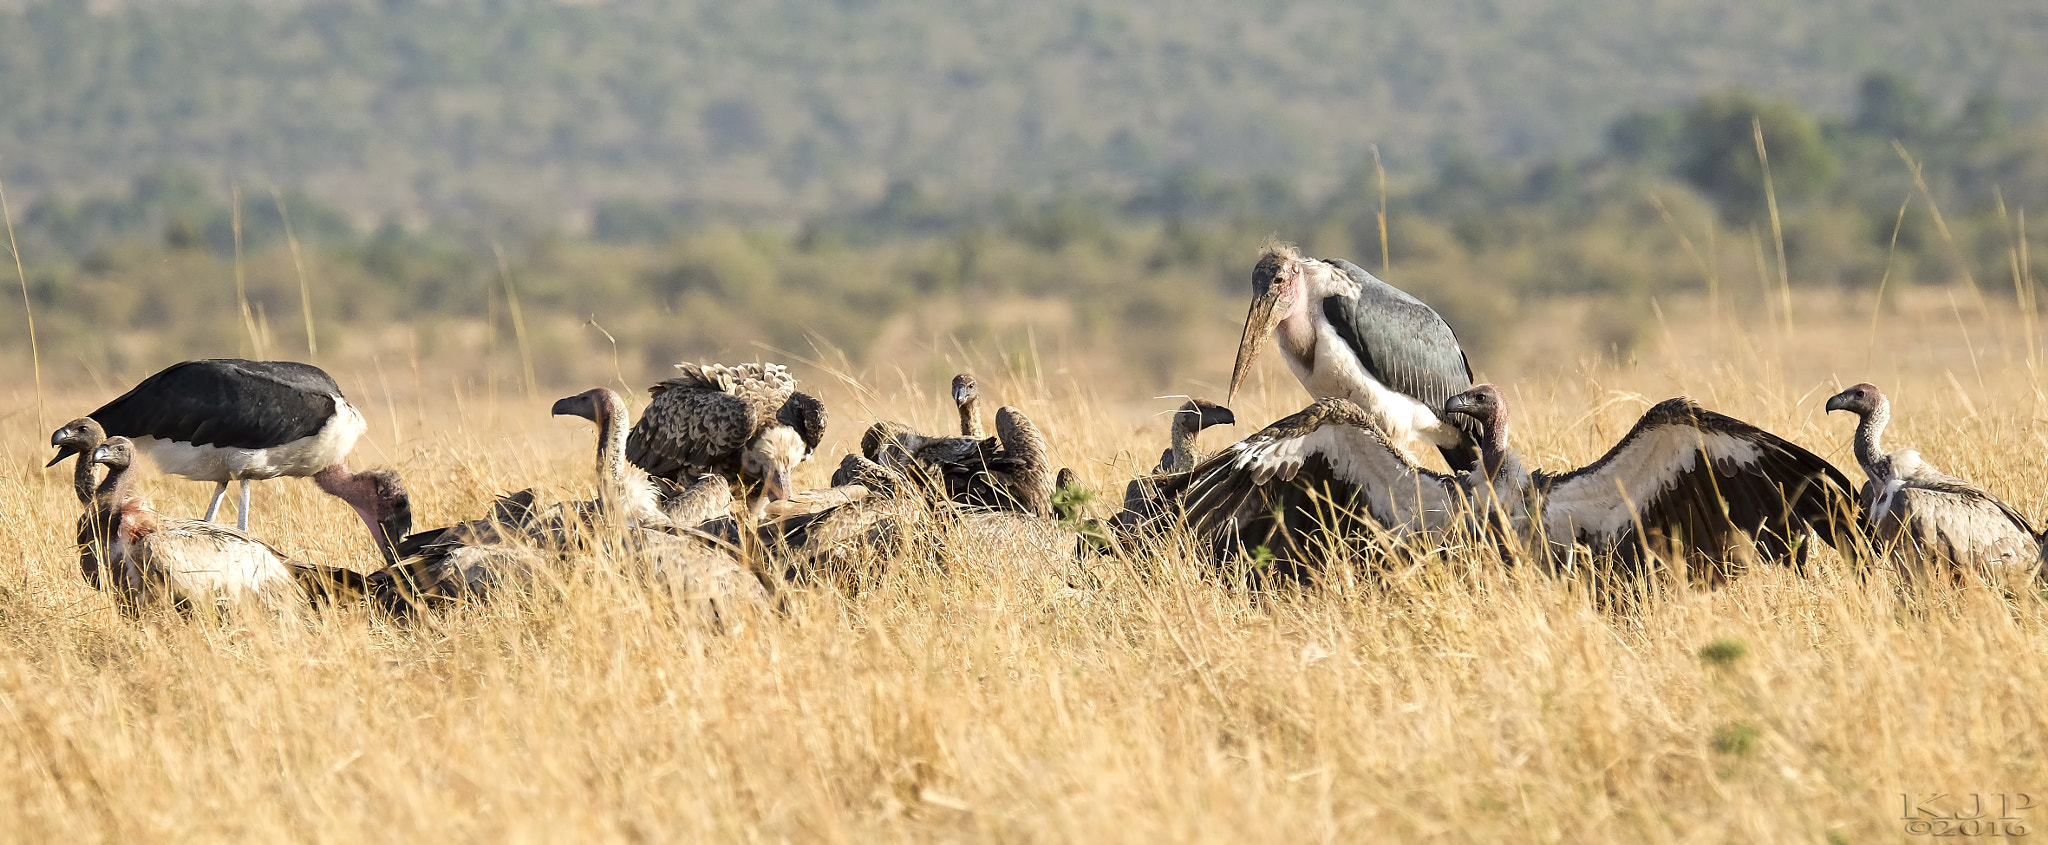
[102, 454]
[1458, 404]
[1259, 324]
[778, 485]
[64, 450]
[1837, 402]
[580, 405]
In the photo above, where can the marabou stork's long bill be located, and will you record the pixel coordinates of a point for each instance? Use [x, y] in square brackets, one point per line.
[226, 419]
[1684, 484]
[1925, 519]
[1348, 335]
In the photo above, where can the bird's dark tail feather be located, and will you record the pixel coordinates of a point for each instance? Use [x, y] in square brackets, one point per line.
[329, 584]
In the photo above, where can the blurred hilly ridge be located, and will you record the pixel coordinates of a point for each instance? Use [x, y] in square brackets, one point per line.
[535, 193]
[429, 109]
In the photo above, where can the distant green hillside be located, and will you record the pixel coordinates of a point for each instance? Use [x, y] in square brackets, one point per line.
[439, 109]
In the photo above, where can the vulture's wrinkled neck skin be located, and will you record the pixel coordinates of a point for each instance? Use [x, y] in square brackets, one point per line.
[1868, 429]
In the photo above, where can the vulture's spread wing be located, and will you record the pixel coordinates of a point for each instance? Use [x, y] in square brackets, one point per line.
[1686, 476]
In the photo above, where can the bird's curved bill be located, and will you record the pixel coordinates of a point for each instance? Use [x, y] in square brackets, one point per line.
[575, 406]
[778, 485]
[1259, 324]
[64, 451]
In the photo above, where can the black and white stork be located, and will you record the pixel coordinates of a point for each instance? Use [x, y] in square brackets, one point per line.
[1348, 335]
[746, 423]
[1684, 481]
[1926, 519]
[226, 419]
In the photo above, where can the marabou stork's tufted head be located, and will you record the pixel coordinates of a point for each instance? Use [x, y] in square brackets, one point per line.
[1860, 400]
[118, 453]
[964, 389]
[378, 496]
[1277, 292]
[770, 459]
[80, 435]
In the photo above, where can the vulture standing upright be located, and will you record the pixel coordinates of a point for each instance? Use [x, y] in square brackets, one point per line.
[1348, 335]
[1926, 519]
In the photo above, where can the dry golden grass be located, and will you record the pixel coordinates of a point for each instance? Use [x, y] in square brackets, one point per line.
[980, 699]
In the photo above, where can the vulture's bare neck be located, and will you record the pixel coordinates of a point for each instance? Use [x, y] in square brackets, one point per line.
[970, 419]
[1869, 452]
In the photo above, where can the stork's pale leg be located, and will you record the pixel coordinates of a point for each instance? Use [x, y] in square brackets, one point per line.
[220, 491]
[242, 515]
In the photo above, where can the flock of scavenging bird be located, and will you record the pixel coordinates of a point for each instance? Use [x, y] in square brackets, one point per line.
[697, 494]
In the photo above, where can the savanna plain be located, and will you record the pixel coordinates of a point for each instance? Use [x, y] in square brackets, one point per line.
[968, 692]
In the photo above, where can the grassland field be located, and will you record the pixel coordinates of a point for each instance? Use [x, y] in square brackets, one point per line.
[969, 696]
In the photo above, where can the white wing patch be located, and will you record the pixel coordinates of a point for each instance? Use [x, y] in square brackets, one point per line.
[1644, 469]
[1400, 495]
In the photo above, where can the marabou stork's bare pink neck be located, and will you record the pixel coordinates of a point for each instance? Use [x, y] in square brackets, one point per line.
[1868, 429]
[1297, 330]
[359, 490]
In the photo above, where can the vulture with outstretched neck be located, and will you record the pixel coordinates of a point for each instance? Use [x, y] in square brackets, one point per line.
[1924, 519]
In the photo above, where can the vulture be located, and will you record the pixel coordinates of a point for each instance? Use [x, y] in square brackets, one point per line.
[1142, 501]
[745, 423]
[1685, 483]
[150, 560]
[1347, 335]
[1010, 471]
[1927, 520]
[227, 419]
[967, 398]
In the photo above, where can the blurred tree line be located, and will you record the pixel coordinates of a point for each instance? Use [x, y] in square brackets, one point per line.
[1673, 203]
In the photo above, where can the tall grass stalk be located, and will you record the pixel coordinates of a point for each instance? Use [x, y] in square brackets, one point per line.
[1763, 159]
[291, 240]
[35, 349]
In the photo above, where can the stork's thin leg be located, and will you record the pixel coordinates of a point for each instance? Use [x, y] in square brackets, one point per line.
[242, 515]
[220, 491]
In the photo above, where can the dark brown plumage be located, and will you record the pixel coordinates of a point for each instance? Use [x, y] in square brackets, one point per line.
[743, 422]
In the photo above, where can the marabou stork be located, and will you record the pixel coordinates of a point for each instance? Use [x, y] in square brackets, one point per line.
[744, 422]
[1348, 335]
[1684, 479]
[226, 419]
[1926, 519]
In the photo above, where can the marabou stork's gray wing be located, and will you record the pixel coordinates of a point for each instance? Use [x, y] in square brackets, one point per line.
[806, 414]
[1325, 469]
[688, 430]
[225, 402]
[1403, 343]
[1687, 476]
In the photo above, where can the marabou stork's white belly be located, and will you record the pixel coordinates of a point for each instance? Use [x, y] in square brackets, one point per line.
[301, 457]
[1335, 372]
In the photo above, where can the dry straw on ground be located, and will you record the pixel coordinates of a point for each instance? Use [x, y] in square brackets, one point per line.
[969, 695]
